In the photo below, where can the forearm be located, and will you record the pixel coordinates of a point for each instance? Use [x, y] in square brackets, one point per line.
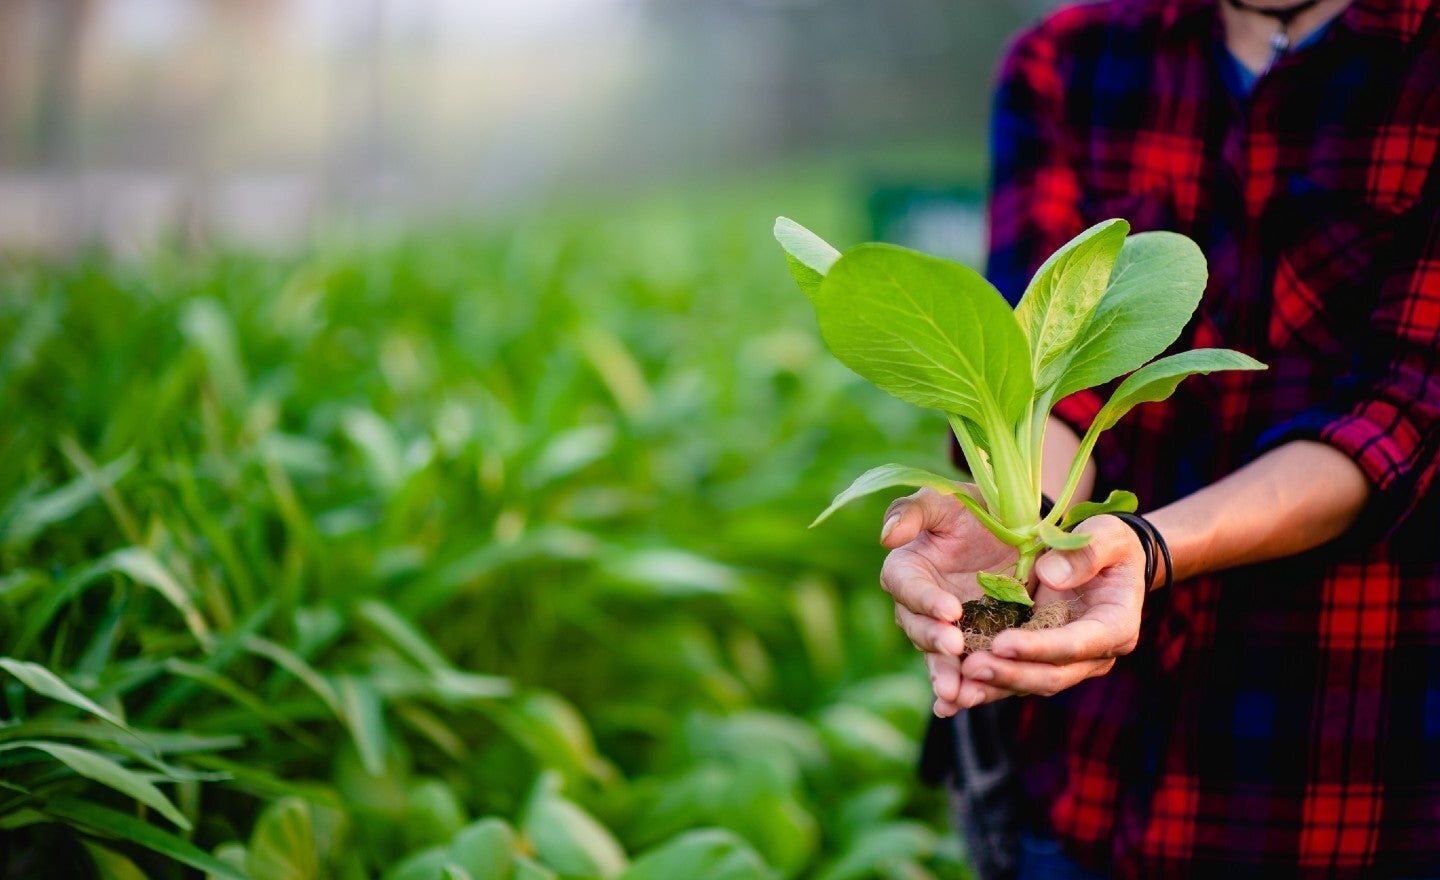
[1061, 444]
[1289, 500]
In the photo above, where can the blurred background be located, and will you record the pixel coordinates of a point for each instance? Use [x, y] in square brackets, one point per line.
[411, 428]
[249, 120]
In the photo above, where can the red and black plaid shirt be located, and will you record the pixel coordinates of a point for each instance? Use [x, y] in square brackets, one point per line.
[1281, 719]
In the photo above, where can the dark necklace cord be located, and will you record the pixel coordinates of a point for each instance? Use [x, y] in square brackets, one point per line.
[1283, 16]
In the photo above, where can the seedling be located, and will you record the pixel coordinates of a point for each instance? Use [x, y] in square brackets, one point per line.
[936, 334]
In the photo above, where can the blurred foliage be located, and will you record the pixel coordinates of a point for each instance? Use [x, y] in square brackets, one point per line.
[480, 554]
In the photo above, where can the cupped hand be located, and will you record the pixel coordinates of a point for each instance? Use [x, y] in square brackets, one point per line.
[1106, 579]
[936, 546]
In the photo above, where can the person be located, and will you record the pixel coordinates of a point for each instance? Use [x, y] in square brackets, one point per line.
[1276, 711]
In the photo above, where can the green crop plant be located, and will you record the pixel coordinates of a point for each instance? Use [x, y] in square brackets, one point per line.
[936, 334]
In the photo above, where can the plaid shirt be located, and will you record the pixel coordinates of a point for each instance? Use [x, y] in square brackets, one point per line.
[1282, 719]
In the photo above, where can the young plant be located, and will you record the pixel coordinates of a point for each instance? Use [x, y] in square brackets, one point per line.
[936, 334]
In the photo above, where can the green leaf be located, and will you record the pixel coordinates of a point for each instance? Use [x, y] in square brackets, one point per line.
[110, 865]
[362, 706]
[283, 844]
[485, 849]
[879, 848]
[566, 837]
[1158, 380]
[101, 769]
[928, 331]
[123, 825]
[703, 854]
[888, 476]
[1062, 296]
[1003, 588]
[1156, 284]
[809, 256]
[1053, 536]
[1118, 501]
[47, 684]
[143, 568]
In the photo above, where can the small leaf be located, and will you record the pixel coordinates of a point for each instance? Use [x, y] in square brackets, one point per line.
[114, 823]
[110, 865]
[364, 715]
[143, 568]
[1003, 588]
[47, 684]
[703, 854]
[104, 770]
[810, 256]
[888, 476]
[1118, 501]
[1061, 540]
[283, 844]
[566, 837]
[1158, 380]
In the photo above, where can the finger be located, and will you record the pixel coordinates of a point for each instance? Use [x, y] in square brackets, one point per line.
[925, 511]
[1084, 639]
[1067, 569]
[976, 693]
[913, 583]
[928, 634]
[944, 677]
[1045, 679]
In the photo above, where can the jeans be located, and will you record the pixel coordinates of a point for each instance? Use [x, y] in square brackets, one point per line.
[1042, 859]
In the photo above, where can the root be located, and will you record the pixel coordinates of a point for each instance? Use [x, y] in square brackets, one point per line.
[984, 619]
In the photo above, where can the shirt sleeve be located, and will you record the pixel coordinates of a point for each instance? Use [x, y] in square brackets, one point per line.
[1035, 193]
[1385, 414]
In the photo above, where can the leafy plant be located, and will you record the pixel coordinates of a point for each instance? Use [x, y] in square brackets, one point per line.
[936, 334]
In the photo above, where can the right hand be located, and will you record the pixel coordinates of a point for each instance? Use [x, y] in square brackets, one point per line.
[936, 547]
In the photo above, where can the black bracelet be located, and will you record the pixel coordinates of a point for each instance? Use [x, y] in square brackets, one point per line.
[1153, 543]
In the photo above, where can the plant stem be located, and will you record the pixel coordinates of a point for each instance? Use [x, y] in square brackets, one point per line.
[1072, 479]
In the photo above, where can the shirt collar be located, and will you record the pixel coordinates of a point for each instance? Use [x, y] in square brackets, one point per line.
[1398, 20]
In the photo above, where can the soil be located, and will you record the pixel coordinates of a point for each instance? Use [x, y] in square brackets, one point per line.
[984, 618]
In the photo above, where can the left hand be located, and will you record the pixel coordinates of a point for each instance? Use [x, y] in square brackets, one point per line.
[1106, 576]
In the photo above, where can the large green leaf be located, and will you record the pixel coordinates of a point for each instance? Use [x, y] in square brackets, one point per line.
[929, 331]
[1062, 296]
[1155, 286]
[123, 825]
[1158, 380]
[809, 256]
[104, 770]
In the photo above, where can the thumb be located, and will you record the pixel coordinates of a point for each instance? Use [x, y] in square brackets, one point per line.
[1068, 569]
[926, 510]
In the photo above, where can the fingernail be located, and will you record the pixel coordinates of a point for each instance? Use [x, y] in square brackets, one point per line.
[955, 642]
[1003, 649]
[1055, 568]
[972, 697]
[985, 673]
[889, 525]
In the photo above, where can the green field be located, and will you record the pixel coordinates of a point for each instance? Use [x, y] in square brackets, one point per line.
[475, 554]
